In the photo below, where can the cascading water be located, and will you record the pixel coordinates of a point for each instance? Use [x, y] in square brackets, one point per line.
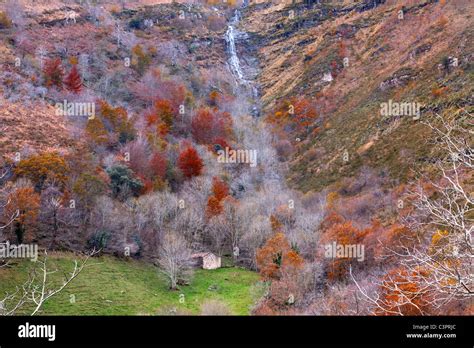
[247, 90]
[234, 61]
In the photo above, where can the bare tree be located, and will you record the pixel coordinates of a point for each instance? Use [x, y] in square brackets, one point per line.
[38, 289]
[448, 254]
[11, 219]
[57, 220]
[397, 293]
[174, 259]
[227, 229]
[13, 216]
[437, 261]
[3, 173]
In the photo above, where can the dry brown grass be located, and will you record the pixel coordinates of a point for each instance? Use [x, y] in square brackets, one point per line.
[35, 127]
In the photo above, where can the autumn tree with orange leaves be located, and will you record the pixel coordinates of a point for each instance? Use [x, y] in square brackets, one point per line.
[281, 265]
[277, 257]
[400, 292]
[220, 190]
[110, 126]
[296, 114]
[24, 203]
[42, 168]
[402, 295]
[343, 233]
[161, 117]
[214, 206]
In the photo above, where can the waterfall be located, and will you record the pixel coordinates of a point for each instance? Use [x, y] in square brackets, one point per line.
[235, 68]
[234, 62]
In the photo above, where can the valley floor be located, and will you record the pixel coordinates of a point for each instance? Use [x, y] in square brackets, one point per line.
[109, 286]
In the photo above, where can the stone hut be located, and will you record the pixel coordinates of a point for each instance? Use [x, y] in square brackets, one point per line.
[206, 260]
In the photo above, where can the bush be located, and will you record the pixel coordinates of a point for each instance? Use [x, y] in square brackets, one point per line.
[5, 22]
[284, 149]
[122, 179]
[53, 73]
[135, 23]
[99, 240]
[208, 125]
[111, 124]
[140, 59]
[42, 168]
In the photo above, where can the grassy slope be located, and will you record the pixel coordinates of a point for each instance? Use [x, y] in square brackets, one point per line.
[380, 48]
[115, 287]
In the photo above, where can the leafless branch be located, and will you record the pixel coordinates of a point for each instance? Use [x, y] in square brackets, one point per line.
[37, 290]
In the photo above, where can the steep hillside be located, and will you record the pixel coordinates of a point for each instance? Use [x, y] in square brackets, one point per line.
[325, 144]
[349, 59]
[181, 40]
[34, 127]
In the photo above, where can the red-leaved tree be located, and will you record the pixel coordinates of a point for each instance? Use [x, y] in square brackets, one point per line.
[208, 125]
[73, 80]
[219, 188]
[158, 164]
[53, 73]
[190, 163]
